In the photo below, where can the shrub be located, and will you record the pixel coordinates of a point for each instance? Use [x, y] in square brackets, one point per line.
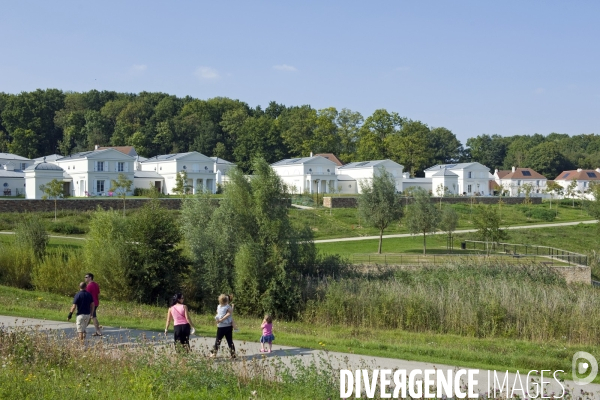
[540, 213]
[16, 265]
[60, 271]
[31, 234]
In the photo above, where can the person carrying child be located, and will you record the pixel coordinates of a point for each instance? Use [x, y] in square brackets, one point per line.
[224, 326]
[267, 334]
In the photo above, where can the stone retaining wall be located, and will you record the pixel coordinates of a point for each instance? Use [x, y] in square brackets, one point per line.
[22, 205]
[349, 202]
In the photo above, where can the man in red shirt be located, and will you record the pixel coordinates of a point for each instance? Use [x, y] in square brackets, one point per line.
[93, 289]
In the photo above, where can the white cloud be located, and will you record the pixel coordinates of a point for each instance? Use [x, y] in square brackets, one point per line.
[285, 67]
[207, 73]
[138, 68]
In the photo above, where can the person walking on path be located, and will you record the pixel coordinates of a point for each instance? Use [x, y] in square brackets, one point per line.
[94, 289]
[85, 307]
[179, 314]
[224, 326]
[267, 334]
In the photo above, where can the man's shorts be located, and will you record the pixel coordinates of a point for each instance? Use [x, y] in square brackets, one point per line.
[82, 322]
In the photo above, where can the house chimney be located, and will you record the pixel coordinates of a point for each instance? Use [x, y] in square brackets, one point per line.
[514, 169]
[597, 169]
[96, 147]
[311, 154]
[579, 170]
[496, 172]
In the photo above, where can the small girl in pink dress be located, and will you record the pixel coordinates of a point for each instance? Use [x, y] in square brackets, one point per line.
[267, 334]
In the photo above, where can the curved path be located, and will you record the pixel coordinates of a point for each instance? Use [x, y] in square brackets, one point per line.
[250, 350]
[401, 235]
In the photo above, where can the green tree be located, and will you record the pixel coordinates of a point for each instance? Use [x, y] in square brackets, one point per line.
[449, 221]
[137, 257]
[374, 134]
[378, 204]
[487, 150]
[121, 186]
[571, 190]
[25, 143]
[411, 147]
[547, 159]
[181, 183]
[553, 188]
[348, 123]
[422, 216]
[487, 223]
[446, 148]
[53, 190]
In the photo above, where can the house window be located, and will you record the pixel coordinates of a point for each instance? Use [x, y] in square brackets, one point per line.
[99, 186]
[100, 166]
[470, 175]
[23, 166]
[519, 183]
[120, 166]
[469, 187]
[585, 184]
[537, 183]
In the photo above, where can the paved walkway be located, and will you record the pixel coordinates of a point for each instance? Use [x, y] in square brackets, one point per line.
[250, 350]
[401, 235]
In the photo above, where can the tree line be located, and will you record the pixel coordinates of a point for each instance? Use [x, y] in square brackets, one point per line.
[43, 122]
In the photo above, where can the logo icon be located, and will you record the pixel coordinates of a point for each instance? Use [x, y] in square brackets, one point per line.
[583, 364]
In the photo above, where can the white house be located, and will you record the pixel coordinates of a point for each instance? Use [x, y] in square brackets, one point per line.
[19, 163]
[91, 172]
[583, 177]
[473, 178]
[222, 168]
[364, 171]
[313, 174]
[199, 168]
[444, 182]
[512, 181]
[12, 182]
[41, 174]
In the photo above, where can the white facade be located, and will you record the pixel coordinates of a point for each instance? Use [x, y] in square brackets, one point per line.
[12, 182]
[473, 178]
[41, 174]
[444, 182]
[92, 171]
[308, 175]
[364, 171]
[511, 182]
[201, 175]
[583, 178]
[19, 163]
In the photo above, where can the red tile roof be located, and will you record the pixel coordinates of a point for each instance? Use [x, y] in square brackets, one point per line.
[518, 174]
[580, 175]
[503, 172]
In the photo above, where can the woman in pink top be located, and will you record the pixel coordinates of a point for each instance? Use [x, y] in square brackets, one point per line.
[178, 313]
[267, 335]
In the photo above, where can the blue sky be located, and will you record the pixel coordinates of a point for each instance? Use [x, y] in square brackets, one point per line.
[501, 67]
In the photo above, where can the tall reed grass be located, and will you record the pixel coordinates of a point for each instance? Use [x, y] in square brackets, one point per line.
[495, 300]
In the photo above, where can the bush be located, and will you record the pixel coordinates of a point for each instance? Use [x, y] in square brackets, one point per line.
[65, 228]
[31, 234]
[540, 213]
[59, 272]
[16, 265]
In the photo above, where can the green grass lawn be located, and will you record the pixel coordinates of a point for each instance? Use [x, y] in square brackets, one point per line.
[345, 222]
[500, 354]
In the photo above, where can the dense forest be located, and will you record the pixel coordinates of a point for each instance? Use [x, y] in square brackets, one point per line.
[44, 122]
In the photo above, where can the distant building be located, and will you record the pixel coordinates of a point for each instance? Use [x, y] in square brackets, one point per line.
[584, 178]
[511, 182]
[314, 174]
[365, 171]
[473, 178]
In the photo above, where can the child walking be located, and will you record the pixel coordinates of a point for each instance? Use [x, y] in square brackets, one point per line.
[224, 326]
[267, 334]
